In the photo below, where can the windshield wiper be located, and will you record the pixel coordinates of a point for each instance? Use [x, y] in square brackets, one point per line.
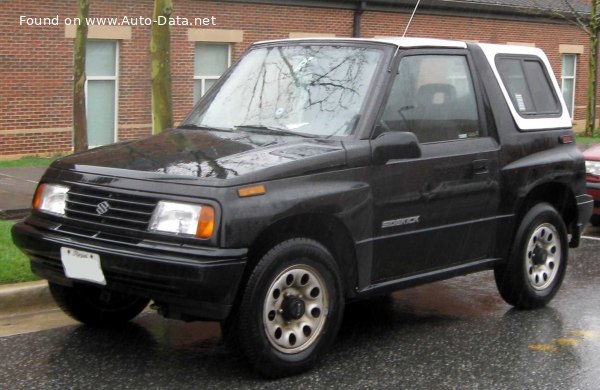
[203, 127]
[273, 130]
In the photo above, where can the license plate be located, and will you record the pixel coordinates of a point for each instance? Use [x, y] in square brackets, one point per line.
[82, 265]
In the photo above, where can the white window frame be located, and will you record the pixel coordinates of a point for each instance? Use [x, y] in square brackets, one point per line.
[570, 77]
[525, 124]
[210, 77]
[114, 78]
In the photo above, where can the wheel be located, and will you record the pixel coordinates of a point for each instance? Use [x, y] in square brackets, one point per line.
[538, 259]
[96, 306]
[291, 309]
[595, 220]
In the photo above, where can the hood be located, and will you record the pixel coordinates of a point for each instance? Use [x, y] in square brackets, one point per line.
[211, 154]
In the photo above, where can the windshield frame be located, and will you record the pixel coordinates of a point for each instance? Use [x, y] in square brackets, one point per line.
[372, 95]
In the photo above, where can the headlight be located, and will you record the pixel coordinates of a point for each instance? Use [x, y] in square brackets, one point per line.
[592, 167]
[50, 198]
[183, 218]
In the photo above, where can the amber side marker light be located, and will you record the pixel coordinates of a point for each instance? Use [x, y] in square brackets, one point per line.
[252, 191]
[37, 199]
[206, 222]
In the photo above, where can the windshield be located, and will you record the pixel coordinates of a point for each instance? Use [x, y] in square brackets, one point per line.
[305, 90]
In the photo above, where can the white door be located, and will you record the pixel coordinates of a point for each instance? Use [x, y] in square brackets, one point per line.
[101, 68]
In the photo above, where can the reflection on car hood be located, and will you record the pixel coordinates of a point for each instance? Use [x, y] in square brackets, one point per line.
[205, 154]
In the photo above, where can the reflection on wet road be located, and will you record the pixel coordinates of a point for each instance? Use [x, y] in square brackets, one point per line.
[456, 334]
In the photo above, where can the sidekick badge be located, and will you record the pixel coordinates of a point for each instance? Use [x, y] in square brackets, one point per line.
[400, 222]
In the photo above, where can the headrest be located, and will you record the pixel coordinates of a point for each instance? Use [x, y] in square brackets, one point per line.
[436, 94]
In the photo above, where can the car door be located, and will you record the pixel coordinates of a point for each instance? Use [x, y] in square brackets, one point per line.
[437, 212]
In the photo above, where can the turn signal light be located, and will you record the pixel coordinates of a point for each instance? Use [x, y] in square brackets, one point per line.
[206, 222]
[37, 198]
[252, 191]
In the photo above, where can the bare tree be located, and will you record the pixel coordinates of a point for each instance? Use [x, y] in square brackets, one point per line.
[160, 53]
[80, 139]
[588, 23]
[592, 31]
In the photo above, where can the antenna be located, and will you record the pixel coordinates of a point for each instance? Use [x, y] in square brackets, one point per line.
[411, 18]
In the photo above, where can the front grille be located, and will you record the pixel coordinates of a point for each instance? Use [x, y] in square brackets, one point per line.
[109, 209]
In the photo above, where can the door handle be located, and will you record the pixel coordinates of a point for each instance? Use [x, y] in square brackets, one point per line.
[481, 167]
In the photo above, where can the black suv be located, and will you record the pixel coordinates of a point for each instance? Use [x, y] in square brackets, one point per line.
[316, 172]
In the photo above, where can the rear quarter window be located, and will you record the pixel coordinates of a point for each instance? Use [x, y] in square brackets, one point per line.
[528, 86]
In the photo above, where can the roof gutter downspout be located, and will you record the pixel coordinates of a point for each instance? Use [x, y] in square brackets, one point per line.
[357, 17]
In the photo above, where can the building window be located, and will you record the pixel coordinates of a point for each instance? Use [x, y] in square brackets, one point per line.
[210, 62]
[569, 70]
[101, 88]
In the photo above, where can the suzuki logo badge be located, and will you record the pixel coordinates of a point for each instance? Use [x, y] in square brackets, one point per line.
[102, 207]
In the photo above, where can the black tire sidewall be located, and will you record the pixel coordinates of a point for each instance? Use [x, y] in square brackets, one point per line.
[267, 359]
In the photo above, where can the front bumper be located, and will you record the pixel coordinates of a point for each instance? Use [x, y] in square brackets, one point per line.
[186, 282]
[593, 189]
[585, 207]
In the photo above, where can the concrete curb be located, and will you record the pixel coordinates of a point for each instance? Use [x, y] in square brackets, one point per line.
[23, 298]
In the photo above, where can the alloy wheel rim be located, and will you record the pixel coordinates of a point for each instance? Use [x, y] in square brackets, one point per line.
[295, 309]
[543, 256]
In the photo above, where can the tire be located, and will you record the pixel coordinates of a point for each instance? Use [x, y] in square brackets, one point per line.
[538, 260]
[96, 306]
[291, 309]
[595, 220]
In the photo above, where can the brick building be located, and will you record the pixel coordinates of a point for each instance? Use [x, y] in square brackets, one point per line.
[36, 53]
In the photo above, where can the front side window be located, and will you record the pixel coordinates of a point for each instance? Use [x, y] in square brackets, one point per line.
[434, 98]
[309, 90]
[569, 70]
[528, 86]
[211, 60]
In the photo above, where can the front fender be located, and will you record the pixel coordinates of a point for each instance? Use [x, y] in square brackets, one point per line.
[342, 194]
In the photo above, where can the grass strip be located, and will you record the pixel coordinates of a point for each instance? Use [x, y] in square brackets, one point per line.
[27, 162]
[587, 140]
[14, 265]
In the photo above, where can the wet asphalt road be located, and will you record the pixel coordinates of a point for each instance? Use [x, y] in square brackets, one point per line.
[456, 334]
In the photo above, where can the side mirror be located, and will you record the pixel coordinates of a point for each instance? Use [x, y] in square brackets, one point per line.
[393, 145]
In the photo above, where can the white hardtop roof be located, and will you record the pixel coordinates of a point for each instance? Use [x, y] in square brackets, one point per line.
[490, 51]
[411, 42]
[396, 41]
